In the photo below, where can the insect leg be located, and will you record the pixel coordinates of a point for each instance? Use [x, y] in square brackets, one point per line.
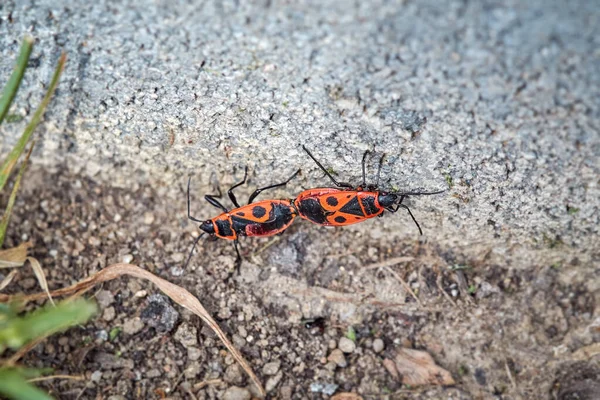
[393, 210]
[336, 183]
[258, 191]
[379, 170]
[238, 258]
[230, 191]
[214, 202]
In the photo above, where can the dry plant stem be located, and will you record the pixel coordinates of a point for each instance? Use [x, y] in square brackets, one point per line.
[176, 293]
[50, 377]
[6, 281]
[40, 276]
[390, 263]
[404, 284]
[203, 384]
[440, 287]
[22, 351]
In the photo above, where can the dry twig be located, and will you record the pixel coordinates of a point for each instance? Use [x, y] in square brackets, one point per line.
[176, 293]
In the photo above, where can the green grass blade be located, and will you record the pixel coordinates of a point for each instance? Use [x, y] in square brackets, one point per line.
[45, 321]
[12, 198]
[16, 152]
[12, 86]
[14, 386]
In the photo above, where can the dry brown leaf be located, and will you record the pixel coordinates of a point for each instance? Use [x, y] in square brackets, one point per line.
[41, 277]
[176, 293]
[390, 366]
[14, 257]
[419, 368]
[8, 279]
[346, 396]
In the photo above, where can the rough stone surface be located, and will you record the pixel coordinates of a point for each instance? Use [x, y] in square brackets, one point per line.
[497, 102]
[159, 313]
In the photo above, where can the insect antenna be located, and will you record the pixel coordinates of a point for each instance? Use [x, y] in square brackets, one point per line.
[192, 250]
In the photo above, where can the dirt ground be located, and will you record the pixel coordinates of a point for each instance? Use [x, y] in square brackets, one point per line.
[503, 327]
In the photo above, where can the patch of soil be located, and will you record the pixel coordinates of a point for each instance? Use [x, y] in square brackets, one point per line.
[502, 329]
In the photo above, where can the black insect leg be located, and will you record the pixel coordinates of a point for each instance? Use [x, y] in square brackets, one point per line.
[336, 183]
[258, 191]
[393, 210]
[379, 171]
[188, 202]
[230, 191]
[238, 258]
[211, 198]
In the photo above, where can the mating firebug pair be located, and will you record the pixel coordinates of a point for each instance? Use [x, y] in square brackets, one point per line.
[344, 205]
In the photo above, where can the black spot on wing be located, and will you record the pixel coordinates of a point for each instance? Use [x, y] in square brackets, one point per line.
[258, 211]
[352, 207]
[279, 218]
[224, 228]
[241, 213]
[369, 205]
[339, 219]
[332, 201]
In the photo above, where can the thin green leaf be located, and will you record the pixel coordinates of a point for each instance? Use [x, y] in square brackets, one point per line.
[12, 198]
[16, 152]
[14, 386]
[351, 333]
[44, 322]
[12, 86]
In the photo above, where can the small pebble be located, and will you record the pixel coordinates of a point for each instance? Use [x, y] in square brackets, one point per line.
[237, 393]
[127, 259]
[193, 353]
[325, 388]
[133, 326]
[187, 335]
[105, 298]
[96, 376]
[148, 218]
[337, 357]
[346, 345]
[109, 314]
[271, 368]
[378, 345]
[233, 375]
[160, 314]
[273, 381]
[102, 335]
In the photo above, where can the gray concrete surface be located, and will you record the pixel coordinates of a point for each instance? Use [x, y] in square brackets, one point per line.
[499, 98]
